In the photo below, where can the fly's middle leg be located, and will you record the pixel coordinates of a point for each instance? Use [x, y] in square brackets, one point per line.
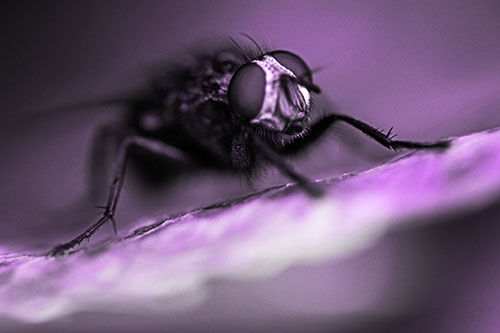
[311, 188]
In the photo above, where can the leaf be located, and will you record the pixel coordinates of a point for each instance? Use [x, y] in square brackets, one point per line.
[169, 264]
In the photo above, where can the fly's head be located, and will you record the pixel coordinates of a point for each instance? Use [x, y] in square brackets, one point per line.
[274, 92]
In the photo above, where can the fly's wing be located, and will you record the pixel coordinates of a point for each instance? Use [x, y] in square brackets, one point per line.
[124, 101]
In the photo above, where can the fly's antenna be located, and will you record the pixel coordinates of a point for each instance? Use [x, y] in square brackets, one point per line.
[317, 69]
[253, 41]
[309, 85]
[311, 71]
[245, 56]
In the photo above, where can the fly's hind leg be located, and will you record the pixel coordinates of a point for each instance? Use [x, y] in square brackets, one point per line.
[127, 142]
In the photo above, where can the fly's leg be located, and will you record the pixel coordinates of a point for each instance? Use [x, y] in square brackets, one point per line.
[385, 139]
[271, 156]
[104, 149]
[319, 128]
[151, 145]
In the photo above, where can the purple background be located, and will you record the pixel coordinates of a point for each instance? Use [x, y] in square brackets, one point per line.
[431, 69]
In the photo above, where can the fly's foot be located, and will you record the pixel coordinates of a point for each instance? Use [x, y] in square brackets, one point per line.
[63, 249]
[439, 145]
[59, 250]
[444, 144]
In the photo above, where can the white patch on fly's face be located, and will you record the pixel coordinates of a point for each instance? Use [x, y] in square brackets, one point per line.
[270, 115]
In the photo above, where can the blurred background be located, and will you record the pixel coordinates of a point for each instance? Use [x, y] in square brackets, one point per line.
[431, 69]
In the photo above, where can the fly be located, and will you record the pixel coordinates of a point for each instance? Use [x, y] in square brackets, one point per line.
[234, 110]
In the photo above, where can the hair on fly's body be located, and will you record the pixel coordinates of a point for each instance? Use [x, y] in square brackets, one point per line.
[234, 109]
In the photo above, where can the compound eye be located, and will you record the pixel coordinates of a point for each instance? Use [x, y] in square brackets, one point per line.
[246, 90]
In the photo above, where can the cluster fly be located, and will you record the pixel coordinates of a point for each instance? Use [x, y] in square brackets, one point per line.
[233, 109]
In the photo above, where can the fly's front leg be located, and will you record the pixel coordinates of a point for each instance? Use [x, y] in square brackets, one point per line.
[151, 145]
[319, 128]
[385, 139]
